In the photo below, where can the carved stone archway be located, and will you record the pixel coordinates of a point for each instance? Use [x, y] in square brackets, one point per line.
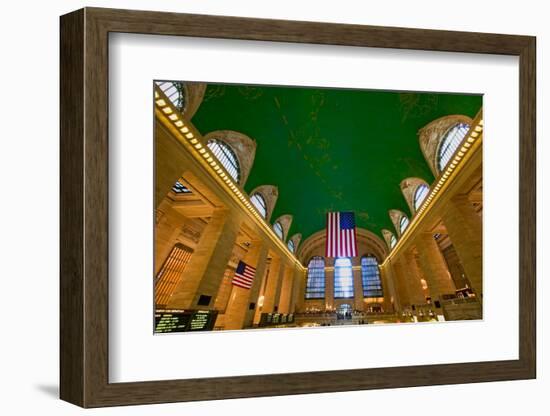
[409, 187]
[387, 234]
[243, 147]
[286, 222]
[395, 216]
[431, 135]
[270, 194]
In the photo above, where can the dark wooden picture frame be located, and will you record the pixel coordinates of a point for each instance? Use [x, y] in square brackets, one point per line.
[84, 207]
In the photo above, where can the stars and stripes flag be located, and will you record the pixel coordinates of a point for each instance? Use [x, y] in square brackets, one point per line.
[244, 275]
[341, 237]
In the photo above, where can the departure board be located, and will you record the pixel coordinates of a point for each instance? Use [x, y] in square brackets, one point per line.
[272, 319]
[184, 320]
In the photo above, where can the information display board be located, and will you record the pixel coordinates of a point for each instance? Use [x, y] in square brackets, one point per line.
[274, 319]
[177, 320]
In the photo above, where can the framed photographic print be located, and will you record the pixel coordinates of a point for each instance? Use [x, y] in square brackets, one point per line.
[261, 207]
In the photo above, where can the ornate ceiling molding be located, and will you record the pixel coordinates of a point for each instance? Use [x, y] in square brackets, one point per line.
[195, 93]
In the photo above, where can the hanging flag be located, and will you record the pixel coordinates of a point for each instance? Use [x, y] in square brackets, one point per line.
[341, 238]
[244, 275]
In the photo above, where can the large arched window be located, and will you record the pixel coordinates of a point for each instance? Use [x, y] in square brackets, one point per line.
[227, 158]
[450, 143]
[175, 92]
[170, 274]
[278, 228]
[343, 278]
[259, 203]
[403, 223]
[315, 285]
[291, 246]
[180, 188]
[393, 241]
[370, 276]
[419, 195]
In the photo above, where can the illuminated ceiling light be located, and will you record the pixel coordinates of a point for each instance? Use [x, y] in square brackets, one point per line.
[478, 128]
[210, 160]
[474, 135]
[179, 123]
[173, 116]
[206, 155]
[471, 140]
[198, 146]
[481, 122]
[463, 149]
[193, 141]
[156, 95]
[466, 145]
[161, 103]
[202, 151]
[189, 135]
[460, 154]
[184, 130]
[167, 110]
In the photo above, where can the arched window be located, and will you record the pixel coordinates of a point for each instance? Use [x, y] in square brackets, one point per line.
[343, 278]
[315, 285]
[259, 203]
[291, 246]
[175, 92]
[419, 195]
[180, 188]
[393, 241]
[403, 223]
[370, 275]
[227, 158]
[278, 228]
[450, 143]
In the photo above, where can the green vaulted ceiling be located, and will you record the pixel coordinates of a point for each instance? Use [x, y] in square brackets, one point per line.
[331, 149]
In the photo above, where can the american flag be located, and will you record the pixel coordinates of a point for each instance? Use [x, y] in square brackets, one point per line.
[341, 240]
[244, 275]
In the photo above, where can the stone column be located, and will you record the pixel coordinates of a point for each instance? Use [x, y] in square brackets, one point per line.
[241, 298]
[170, 162]
[412, 278]
[225, 291]
[399, 280]
[298, 293]
[167, 231]
[271, 298]
[358, 302]
[329, 284]
[286, 290]
[253, 317]
[465, 230]
[205, 270]
[388, 288]
[433, 266]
